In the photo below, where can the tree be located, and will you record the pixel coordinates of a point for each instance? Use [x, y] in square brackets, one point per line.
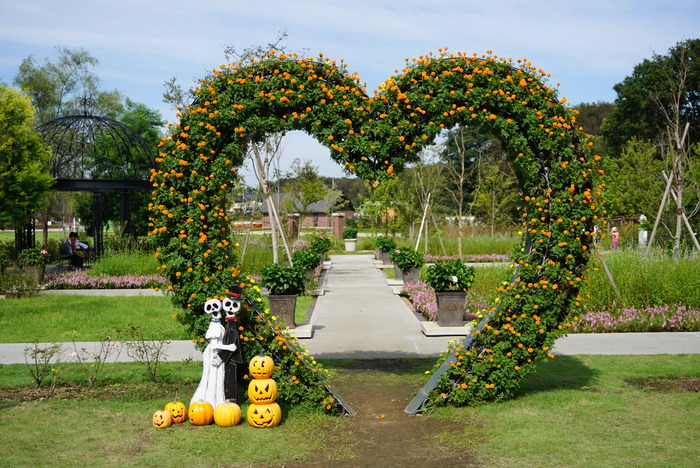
[591, 115]
[463, 148]
[648, 96]
[496, 194]
[634, 181]
[58, 87]
[304, 188]
[24, 178]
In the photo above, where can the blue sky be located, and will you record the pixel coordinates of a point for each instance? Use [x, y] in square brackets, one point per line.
[587, 47]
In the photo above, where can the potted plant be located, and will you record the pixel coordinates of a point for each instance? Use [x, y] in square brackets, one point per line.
[285, 284]
[385, 246]
[450, 279]
[350, 239]
[407, 262]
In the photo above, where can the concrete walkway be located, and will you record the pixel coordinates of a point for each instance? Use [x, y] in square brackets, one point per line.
[361, 317]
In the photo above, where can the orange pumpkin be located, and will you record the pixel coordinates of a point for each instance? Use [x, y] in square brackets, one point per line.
[178, 410]
[162, 419]
[264, 415]
[201, 413]
[262, 391]
[227, 414]
[261, 367]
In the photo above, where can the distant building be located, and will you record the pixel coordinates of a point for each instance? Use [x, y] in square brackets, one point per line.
[319, 214]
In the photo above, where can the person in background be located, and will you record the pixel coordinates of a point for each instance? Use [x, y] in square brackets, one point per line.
[74, 250]
[615, 238]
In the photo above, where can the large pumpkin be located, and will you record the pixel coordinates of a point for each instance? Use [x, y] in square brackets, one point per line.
[261, 367]
[227, 414]
[201, 413]
[268, 415]
[178, 410]
[262, 391]
[162, 419]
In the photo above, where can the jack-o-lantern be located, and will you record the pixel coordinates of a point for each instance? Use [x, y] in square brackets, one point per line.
[227, 414]
[162, 419]
[178, 410]
[268, 415]
[261, 367]
[262, 391]
[201, 413]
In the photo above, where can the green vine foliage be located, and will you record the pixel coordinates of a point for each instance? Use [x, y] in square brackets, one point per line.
[373, 137]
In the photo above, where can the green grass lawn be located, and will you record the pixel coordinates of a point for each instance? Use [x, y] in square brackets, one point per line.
[573, 411]
[54, 318]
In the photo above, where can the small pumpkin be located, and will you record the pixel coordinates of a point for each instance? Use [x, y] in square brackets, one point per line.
[178, 410]
[261, 367]
[162, 419]
[227, 414]
[262, 391]
[268, 415]
[201, 413]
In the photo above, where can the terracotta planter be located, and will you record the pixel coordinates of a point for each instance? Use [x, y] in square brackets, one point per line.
[350, 245]
[411, 275]
[283, 306]
[451, 308]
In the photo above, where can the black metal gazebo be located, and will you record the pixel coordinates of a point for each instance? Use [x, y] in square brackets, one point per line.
[97, 154]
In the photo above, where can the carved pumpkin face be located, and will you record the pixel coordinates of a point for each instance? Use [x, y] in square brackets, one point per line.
[162, 419]
[264, 415]
[227, 414]
[201, 413]
[261, 367]
[177, 410]
[262, 391]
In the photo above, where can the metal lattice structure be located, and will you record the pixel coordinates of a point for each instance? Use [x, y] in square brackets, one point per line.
[97, 154]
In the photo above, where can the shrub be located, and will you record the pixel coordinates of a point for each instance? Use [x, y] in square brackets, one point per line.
[450, 275]
[34, 257]
[350, 233]
[320, 244]
[385, 244]
[19, 285]
[406, 258]
[306, 259]
[283, 280]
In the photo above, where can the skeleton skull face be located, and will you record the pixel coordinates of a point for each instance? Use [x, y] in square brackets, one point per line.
[213, 308]
[231, 306]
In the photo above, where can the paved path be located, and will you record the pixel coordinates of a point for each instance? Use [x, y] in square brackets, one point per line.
[360, 317]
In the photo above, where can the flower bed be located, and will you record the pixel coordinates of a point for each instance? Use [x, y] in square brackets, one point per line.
[649, 319]
[475, 258]
[81, 280]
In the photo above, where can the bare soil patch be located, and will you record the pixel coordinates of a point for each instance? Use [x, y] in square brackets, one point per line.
[381, 433]
[668, 384]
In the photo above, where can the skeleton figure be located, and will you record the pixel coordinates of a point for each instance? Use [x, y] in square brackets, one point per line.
[211, 386]
[230, 351]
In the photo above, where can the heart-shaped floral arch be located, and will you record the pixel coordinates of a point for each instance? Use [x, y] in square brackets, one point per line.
[374, 138]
